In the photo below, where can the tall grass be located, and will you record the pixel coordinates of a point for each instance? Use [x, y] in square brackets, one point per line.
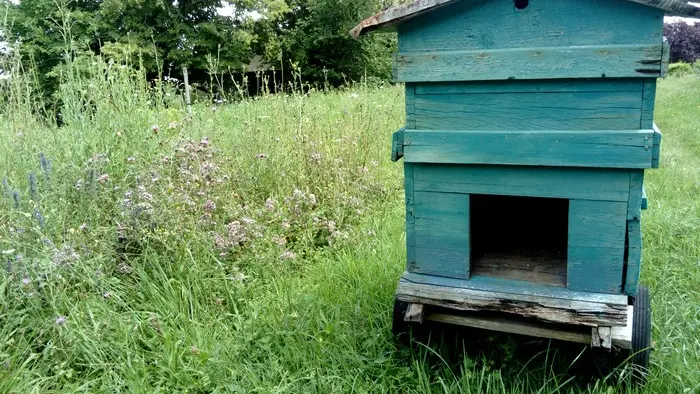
[255, 247]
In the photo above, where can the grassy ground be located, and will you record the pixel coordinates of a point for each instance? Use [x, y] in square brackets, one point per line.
[255, 248]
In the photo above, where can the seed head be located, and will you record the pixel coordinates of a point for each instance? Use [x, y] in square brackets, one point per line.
[32, 186]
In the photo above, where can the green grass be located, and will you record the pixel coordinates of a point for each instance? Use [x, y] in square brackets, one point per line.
[265, 260]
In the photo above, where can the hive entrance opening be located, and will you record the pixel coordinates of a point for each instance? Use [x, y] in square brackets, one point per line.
[521, 238]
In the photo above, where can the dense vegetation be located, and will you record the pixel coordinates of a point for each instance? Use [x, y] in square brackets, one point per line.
[255, 247]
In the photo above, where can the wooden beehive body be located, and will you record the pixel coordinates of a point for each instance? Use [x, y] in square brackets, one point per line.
[528, 132]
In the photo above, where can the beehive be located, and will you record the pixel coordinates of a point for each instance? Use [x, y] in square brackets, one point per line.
[529, 128]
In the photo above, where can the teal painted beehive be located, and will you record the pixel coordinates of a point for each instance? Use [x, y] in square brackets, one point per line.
[529, 128]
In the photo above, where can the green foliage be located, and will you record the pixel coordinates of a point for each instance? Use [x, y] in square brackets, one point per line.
[314, 36]
[255, 247]
[680, 69]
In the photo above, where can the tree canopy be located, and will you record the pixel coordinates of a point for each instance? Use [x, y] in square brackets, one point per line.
[166, 34]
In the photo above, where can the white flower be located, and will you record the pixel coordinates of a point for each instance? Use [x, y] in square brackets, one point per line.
[288, 255]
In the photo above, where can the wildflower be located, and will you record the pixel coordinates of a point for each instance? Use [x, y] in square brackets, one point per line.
[61, 320]
[39, 218]
[104, 178]
[26, 281]
[155, 129]
[288, 255]
[7, 252]
[330, 226]
[270, 204]
[65, 255]
[371, 233]
[209, 206]
[236, 233]
[286, 225]
[106, 295]
[131, 159]
[5, 187]
[238, 276]
[32, 186]
[374, 163]
[354, 95]
[248, 221]
[280, 241]
[194, 350]
[15, 199]
[83, 227]
[261, 156]
[173, 125]
[124, 268]
[316, 157]
[79, 184]
[204, 142]
[45, 164]
[312, 199]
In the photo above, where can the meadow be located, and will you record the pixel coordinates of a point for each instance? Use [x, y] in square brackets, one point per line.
[254, 247]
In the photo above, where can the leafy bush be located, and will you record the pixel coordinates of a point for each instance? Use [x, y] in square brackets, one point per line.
[684, 40]
[680, 69]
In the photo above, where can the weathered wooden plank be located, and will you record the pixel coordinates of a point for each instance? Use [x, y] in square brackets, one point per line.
[441, 228]
[403, 13]
[547, 309]
[519, 111]
[410, 217]
[554, 86]
[516, 288]
[497, 24]
[656, 148]
[410, 106]
[602, 337]
[550, 270]
[620, 336]
[569, 183]
[648, 102]
[604, 149]
[596, 245]
[397, 142]
[515, 326]
[415, 314]
[597, 224]
[665, 59]
[634, 257]
[608, 61]
[634, 205]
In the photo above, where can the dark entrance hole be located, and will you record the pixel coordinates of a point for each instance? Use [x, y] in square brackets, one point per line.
[521, 238]
[521, 4]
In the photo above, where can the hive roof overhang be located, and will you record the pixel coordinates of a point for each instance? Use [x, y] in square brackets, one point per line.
[396, 15]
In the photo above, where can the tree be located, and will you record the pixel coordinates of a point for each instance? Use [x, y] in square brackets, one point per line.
[313, 34]
[684, 40]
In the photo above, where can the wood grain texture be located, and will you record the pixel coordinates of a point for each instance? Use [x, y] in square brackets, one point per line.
[397, 143]
[603, 148]
[634, 257]
[410, 106]
[441, 227]
[569, 183]
[410, 215]
[508, 324]
[554, 310]
[393, 16]
[611, 61]
[540, 268]
[551, 86]
[596, 246]
[648, 102]
[634, 205]
[472, 25]
[656, 148]
[616, 110]
[516, 288]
